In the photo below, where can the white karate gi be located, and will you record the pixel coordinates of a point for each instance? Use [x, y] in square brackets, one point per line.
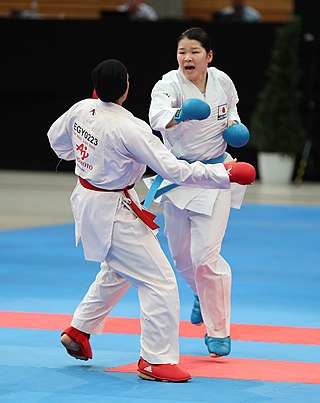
[196, 219]
[110, 148]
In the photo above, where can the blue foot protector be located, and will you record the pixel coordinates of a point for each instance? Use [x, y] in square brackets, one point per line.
[196, 316]
[218, 346]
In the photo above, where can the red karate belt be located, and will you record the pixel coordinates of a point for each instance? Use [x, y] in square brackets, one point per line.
[146, 216]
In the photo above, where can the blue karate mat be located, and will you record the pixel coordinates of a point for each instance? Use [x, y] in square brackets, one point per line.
[274, 252]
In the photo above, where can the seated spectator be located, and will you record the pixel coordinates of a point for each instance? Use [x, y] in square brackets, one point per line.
[31, 13]
[138, 11]
[239, 11]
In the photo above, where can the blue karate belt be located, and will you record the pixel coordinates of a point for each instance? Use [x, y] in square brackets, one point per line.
[154, 191]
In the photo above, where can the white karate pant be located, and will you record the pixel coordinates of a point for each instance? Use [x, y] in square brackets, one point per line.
[136, 258]
[195, 242]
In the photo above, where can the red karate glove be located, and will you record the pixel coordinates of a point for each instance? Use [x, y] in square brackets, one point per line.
[240, 172]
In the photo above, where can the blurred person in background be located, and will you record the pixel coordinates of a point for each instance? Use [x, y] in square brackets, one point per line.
[138, 11]
[239, 11]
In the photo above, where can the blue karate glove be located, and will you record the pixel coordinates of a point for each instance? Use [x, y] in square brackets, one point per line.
[236, 135]
[192, 109]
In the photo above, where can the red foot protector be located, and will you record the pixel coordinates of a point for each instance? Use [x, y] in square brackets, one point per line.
[82, 339]
[244, 369]
[162, 372]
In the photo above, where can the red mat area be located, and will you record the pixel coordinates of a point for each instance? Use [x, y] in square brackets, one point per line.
[206, 367]
[244, 369]
[263, 333]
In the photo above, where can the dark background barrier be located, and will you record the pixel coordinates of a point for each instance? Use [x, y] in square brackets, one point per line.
[46, 67]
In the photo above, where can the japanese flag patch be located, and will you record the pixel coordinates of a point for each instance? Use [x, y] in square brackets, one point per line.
[222, 111]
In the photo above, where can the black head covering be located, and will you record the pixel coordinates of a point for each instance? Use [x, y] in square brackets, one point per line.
[110, 80]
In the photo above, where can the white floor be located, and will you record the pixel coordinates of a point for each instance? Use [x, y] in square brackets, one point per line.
[30, 199]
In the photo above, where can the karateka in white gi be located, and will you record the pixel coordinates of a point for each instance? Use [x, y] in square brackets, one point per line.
[196, 219]
[111, 148]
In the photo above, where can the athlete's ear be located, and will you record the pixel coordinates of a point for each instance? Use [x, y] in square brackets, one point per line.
[210, 56]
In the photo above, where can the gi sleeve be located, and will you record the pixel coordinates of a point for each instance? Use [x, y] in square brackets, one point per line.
[233, 100]
[163, 106]
[148, 149]
[60, 138]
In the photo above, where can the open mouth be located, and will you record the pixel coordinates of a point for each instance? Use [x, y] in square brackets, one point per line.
[189, 68]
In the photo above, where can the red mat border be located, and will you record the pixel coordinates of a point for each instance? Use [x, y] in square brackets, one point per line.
[203, 366]
[243, 369]
[244, 332]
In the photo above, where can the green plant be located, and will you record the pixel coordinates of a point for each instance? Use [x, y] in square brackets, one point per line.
[276, 123]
